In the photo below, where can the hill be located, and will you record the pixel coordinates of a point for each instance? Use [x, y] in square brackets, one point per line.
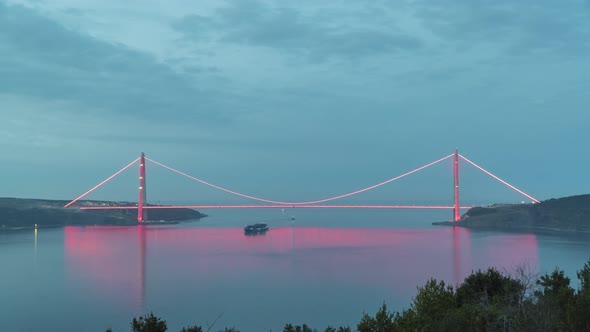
[19, 213]
[570, 214]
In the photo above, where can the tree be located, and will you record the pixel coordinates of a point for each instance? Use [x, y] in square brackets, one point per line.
[489, 287]
[297, 328]
[490, 299]
[339, 329]
[367, 324]
[192, 329]
[149, 323]
[584, 277]
[556, 300]
[581, 312]
[305, 328]
[382, 322]
[429, 309]
[406, 321]
[433, 301]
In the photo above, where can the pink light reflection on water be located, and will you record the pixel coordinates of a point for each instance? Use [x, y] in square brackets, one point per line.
[107, 262]
[135, 265]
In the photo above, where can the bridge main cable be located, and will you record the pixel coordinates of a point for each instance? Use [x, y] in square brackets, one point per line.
[300, 203]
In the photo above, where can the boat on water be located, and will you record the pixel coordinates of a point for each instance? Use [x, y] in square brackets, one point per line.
[258, 228]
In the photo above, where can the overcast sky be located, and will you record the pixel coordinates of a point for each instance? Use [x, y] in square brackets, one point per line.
[294, 99]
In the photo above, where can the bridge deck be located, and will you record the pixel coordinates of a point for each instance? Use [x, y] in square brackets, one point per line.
[419, 207]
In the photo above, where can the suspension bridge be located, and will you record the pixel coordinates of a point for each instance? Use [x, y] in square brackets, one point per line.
[264, 203]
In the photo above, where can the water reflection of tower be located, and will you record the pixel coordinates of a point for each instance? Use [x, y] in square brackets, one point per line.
[142, 266]
[461, 249]
[292, 234]
[35, 253]
[456, 256]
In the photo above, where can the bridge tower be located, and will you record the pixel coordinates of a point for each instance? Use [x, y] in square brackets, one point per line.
[141, 215]
[457, 207]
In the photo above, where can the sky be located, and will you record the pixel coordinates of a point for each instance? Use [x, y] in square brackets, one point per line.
[294, 100]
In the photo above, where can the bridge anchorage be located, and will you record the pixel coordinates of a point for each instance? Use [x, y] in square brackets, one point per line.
[142, 205]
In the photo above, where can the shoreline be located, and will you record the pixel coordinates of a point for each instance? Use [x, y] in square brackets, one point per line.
[539, 229]
[147, 223]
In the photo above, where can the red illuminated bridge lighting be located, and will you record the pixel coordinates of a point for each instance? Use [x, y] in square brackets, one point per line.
[265, 203]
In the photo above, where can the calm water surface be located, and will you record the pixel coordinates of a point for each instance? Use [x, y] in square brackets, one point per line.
[325, 268]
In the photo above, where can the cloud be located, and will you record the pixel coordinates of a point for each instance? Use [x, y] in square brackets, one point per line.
[251, 87]
[519, 27]
[318, 35]
[41, 58]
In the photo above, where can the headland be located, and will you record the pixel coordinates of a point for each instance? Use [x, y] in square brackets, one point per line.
[567, 214]
[25, 213]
